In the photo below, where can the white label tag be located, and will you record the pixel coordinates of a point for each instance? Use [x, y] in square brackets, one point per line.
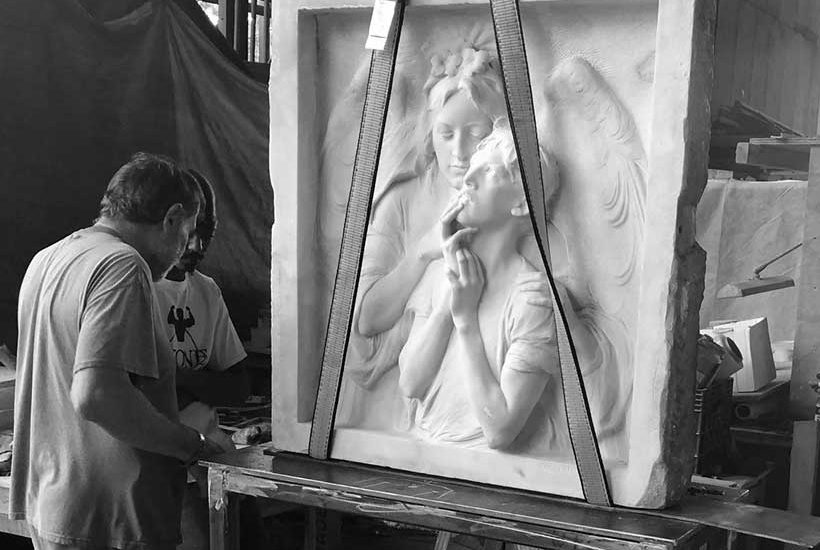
[380, 23]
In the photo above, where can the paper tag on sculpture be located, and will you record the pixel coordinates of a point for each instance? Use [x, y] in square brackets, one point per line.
[380, 23]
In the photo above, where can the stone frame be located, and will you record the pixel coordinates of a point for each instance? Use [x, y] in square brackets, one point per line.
[661, 448]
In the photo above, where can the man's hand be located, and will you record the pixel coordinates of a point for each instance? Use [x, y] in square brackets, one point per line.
[466, 288]
[204, 419]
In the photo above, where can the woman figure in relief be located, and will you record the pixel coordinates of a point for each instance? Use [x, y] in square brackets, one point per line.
[464, 95]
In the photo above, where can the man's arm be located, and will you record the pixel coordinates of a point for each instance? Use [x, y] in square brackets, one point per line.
[421, 357]
[501, 407]
[222, 388]
[108, 398]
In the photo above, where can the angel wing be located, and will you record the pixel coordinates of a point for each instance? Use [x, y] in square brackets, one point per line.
[370, 359]
[600, 214]
[615, 154]
[338, 152]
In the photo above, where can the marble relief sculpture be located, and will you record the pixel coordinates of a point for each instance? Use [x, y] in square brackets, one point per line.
[398, 316]
[451, 366]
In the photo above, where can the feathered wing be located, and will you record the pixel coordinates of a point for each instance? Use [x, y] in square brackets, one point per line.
[338, 152]
[369, 358]
[600, 213]
[617, 155]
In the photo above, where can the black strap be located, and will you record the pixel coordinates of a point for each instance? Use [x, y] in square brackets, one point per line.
[515, 73]
[368, 150]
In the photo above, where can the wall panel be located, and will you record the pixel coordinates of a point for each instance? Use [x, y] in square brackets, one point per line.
[767, 56]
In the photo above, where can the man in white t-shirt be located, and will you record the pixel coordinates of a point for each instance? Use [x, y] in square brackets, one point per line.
[207, 352]
[98, 448]
[198, 327]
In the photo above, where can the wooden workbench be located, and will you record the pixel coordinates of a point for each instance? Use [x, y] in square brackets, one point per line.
[438, 504]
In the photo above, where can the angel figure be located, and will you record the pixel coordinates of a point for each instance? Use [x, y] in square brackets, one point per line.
[464, 94]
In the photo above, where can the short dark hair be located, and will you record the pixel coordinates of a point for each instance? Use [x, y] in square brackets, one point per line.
[145, 188]
[207, 221]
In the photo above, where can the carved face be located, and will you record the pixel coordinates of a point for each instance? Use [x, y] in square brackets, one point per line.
[492, 196]
[457, 129]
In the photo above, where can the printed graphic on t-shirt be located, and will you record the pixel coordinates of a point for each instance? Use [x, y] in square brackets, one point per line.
[187, 352]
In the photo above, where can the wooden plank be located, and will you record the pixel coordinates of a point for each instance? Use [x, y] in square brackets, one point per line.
[743, 52]
[803, 58]
[776, 61]
[811, 107]
[223, 514]
[725, 52]
[226, 19]
[791, 69]
[216, 509]
[807, 336]
[773, 156]
[760, 53]
[804, 142]
[264, 56]
[809, 23]
[252, 24]
[240, 28]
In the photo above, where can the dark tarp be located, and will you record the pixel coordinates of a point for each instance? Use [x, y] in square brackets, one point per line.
[83, 85]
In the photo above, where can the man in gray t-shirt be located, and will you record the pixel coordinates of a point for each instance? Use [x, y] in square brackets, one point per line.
[99, 454]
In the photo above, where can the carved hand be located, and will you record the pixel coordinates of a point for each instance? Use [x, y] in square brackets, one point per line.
[452, 239]
[430, 245]
[466, 288]
[536, 289]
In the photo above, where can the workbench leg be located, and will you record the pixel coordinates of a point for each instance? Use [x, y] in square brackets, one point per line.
[323, 529]
[805, 456]
[224, 518]
[442, 540]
